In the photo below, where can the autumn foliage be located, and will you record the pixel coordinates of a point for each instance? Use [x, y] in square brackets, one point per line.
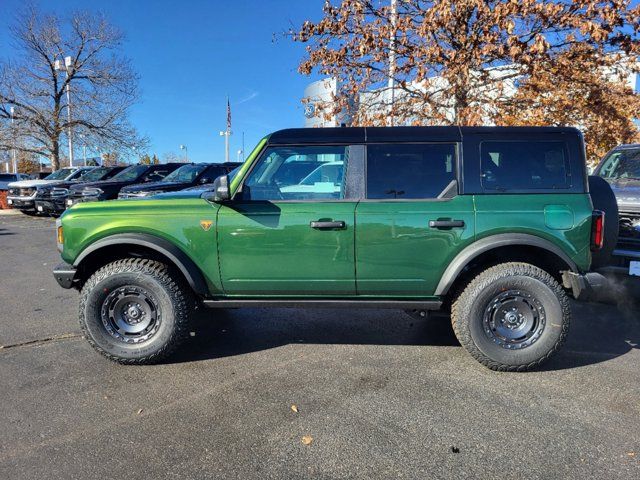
[475, 62]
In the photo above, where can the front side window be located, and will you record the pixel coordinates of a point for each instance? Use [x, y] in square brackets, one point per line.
[186, 173]
[298, 173]
[524, 165]
[622, 164]
[409, 171]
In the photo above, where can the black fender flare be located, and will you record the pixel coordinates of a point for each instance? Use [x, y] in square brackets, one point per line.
[495, 241]
[181, 260]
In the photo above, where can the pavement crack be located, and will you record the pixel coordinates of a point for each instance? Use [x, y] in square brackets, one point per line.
[40, 341]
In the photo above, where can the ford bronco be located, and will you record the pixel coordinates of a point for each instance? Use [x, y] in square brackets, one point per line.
[494, 224]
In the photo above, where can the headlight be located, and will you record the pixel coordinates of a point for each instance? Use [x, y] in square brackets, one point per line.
[150, 193]
[92, 192]
[60, 192]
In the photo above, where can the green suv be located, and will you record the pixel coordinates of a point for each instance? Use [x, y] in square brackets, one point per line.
[493, 224]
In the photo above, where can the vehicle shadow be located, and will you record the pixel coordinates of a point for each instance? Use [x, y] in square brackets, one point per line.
[598, 333]
[4, 231]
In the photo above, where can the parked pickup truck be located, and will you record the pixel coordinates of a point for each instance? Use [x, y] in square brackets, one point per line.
[22, 194]
[187, 176]
[52, 199]
[621, 168]
[495, 224]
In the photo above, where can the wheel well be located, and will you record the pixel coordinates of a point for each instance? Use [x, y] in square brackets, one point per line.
[538, 256]
[110, 253]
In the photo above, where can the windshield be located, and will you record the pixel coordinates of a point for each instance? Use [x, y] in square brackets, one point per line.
[130, 173]
[187, 173]
[233, 173]
[621, 164]
[60, 174]
[94, 174]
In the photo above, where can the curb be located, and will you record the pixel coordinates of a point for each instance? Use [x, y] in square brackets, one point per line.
[10, 211]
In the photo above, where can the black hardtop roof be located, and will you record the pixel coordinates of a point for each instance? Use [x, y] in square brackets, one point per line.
[399, 134]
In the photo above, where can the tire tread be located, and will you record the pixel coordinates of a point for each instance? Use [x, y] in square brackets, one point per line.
[182, 299]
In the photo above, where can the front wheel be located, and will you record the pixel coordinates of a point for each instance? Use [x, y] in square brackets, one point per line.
[512, 317]
[135, 311]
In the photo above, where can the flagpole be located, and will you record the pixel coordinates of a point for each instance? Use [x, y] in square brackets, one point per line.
[227, 132]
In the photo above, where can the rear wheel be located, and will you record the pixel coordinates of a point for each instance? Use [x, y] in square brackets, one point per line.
[135, 311]
[512, 317]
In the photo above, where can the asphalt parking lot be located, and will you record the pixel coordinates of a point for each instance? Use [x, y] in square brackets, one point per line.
[379, 394]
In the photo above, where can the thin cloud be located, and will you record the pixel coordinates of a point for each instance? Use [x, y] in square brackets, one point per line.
[248, 98]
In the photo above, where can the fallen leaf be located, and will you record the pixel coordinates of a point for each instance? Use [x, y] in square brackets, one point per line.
[139, 411]
[294, 408]
[307, 439]
[631, 454]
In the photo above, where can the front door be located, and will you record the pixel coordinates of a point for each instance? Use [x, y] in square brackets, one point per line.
[412, 222]
[290, 229]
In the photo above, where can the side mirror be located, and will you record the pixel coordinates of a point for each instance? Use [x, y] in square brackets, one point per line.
[220, 189]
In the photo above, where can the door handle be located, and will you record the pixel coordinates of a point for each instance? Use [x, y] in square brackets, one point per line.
[446, 223]
[322, 225]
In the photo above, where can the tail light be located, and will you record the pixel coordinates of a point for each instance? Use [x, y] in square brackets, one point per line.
[597, 230]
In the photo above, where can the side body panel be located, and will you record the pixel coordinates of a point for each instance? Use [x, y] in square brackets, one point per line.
[269, 248]
[398, 254]
[175, 220]
[562, 219]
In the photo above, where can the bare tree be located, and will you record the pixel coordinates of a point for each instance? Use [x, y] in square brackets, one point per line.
[103, 85]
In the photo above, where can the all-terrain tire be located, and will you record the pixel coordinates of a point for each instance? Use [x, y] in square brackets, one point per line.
[478, 317]
[157, 289]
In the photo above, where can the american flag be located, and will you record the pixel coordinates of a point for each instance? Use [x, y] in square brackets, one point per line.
[228, 115]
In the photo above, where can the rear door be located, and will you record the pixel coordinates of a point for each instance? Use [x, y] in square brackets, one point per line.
[290, 231]
[412, 222]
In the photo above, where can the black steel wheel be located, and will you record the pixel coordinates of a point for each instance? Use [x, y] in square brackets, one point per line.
[131, 314]
[514, 319]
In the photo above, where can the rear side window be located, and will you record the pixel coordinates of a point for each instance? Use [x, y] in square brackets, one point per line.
[524, 165]
[409, 171]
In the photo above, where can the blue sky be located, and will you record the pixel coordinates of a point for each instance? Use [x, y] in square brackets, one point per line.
[191, 54]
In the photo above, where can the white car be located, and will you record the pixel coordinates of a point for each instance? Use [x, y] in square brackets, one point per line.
[21, 194]
[325, 179]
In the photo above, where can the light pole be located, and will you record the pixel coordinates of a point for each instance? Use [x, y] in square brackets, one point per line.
[186, 153]
[240, 152]
[84, 149]
[66, 67]
[13, 140]
[226, 133]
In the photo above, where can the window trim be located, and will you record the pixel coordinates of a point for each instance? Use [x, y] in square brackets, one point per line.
[457, 161]
[357, 155]
[567, 162]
